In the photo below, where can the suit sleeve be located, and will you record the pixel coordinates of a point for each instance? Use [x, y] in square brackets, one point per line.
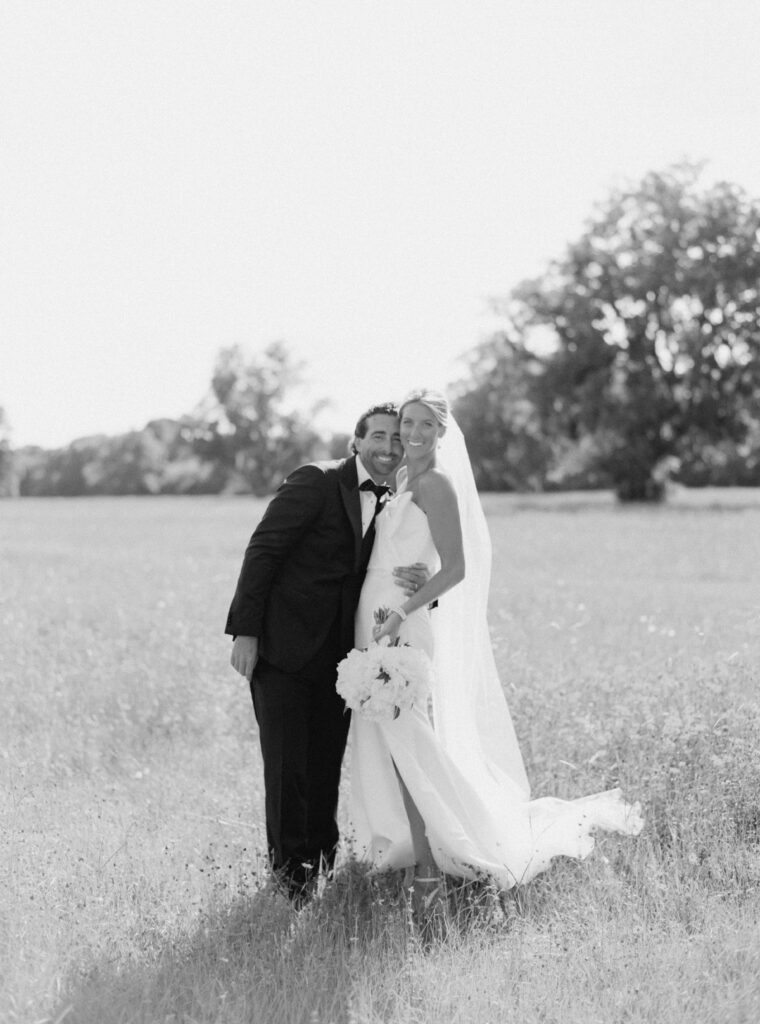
[290, 514]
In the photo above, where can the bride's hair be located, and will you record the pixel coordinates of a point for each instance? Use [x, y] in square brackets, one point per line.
[435, 401]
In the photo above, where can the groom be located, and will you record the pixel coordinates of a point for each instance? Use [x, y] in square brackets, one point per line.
[292, 617]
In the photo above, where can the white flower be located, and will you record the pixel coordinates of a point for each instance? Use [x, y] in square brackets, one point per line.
[383, 680]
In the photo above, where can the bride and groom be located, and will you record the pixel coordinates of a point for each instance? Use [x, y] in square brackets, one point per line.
[441, 788]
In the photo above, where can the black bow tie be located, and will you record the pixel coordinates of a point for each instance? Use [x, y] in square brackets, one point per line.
[377, 489]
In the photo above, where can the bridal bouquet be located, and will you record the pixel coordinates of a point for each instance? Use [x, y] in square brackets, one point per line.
[384, 679]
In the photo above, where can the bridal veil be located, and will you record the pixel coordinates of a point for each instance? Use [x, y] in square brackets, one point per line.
[470, 711]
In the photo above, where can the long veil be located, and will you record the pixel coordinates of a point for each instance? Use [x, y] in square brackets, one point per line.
[470, 710]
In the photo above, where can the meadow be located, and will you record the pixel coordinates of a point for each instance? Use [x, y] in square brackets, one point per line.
[132, 882]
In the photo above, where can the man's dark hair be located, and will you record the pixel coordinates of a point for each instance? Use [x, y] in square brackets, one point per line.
[387, 409]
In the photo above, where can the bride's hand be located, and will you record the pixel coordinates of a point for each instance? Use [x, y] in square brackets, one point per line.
[388, 628]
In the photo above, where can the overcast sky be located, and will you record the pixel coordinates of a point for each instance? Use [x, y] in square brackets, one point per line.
[354, 178]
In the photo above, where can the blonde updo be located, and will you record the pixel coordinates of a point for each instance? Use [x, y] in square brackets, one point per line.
[435, 401]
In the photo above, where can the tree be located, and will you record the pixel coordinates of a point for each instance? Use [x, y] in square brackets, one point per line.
[651, 330]
[154, 460]
[246, 435]
[495, 410]
[7, 479]
[250, 424]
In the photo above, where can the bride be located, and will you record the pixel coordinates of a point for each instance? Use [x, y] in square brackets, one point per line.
[443, 788]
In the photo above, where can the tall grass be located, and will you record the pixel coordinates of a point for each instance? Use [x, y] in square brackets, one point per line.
[132, 886]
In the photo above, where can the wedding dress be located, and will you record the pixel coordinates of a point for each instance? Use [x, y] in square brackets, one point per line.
[459, 758]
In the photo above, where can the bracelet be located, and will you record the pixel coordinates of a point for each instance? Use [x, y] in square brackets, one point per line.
[400, 612]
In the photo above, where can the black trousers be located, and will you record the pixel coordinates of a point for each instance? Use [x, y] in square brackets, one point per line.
[303, 727]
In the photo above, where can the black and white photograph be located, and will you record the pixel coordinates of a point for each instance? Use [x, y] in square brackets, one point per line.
[379, 512]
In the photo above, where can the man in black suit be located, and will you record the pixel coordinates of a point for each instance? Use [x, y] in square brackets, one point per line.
[292, 617]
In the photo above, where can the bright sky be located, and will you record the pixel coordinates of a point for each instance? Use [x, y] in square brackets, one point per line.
[354, 177]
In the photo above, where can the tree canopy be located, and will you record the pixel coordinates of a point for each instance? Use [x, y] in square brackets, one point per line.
[640, 347]
[251, 423]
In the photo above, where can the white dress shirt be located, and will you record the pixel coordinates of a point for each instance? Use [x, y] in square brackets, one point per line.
[367, 498]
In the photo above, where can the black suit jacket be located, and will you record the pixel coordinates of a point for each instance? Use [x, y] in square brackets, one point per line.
[303, 566]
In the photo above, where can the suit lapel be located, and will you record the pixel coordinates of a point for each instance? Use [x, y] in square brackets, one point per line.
[349, 492]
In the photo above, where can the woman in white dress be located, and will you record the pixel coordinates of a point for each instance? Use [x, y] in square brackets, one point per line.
[443, 788]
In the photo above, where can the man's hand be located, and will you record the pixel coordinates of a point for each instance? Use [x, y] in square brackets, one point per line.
[245, 654]
[411, 577]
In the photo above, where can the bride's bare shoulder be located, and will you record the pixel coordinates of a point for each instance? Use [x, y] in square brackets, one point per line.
[435, 486]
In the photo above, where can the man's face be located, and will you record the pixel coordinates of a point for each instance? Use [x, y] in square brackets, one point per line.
[380, 449]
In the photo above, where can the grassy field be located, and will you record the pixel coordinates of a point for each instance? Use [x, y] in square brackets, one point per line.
[130, 787]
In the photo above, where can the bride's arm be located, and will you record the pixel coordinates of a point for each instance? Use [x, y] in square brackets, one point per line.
[436, 497]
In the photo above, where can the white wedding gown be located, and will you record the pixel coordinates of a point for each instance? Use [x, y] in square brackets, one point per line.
[478, 817]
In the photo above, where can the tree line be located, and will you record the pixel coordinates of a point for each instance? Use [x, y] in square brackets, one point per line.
[634, 359]
[243, 437]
